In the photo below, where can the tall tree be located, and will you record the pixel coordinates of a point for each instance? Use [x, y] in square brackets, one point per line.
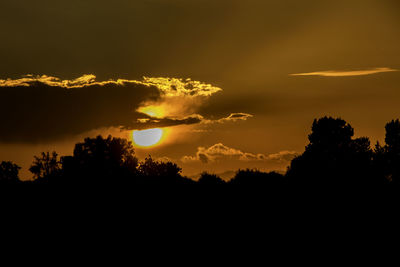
[333, 157]
[100, 157]
[392, 150]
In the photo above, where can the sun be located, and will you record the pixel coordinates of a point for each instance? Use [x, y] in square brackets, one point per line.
[148, 138]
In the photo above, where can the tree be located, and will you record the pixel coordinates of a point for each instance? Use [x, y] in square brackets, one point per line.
[392, 137]
[95, 158]
[391, 151]
[333, 157]
[156, 172]
[153, 168]
[380, 164]
[329, 135]
[9, 172]
[257, 179]
[46, 165]
[210, 180]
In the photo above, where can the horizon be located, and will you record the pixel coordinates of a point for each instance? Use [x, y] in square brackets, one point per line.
[210, 85]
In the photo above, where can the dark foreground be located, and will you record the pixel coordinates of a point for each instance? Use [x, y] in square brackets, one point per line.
[333, 161]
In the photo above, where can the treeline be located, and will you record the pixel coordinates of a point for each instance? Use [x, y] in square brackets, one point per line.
[332, 159]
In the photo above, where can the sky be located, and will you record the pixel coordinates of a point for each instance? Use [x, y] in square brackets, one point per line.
[231, 84]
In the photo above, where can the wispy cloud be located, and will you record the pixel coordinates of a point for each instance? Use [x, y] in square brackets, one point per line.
[233, 117]
[344, 73]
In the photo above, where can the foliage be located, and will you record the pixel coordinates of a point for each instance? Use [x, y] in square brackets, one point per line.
[45, 165]
[332, 158]
[153, 168]
[9, 172]
[100, 159]
[210, 180]
[250, 177]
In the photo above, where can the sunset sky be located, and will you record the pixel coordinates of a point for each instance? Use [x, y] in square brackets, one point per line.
[213, 85]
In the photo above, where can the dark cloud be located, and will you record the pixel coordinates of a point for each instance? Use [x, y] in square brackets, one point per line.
[44, 109]
[151, 122]
[148, 123]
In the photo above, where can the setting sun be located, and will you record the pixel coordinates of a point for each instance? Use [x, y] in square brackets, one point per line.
[147, 138]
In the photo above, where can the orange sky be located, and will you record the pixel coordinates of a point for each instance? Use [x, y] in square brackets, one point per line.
[260, 71]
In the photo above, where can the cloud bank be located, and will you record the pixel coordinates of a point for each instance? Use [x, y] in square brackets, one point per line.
[220, 152]
[338, 73]
[45, 108]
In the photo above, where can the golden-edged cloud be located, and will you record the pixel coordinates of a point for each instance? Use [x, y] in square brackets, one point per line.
[157, 121]
[182, 87]
[45, 108]
[179, 102]
[220, 152]
[233, 117]
[343, 73]
[166, 86]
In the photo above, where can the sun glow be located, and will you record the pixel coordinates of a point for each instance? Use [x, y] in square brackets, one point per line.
[153, 111]
[148, 138]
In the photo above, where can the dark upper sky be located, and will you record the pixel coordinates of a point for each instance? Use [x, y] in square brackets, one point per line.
[247, 48]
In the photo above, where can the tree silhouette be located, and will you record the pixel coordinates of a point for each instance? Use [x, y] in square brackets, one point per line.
[101, 159]
[9, 173]
[45, 165]
[161, 173]
[257, 179]
[390, 153]
[210, 180]
[329, 136]
[380, 164]
[392, 137]
[332, 158]
[153, 168]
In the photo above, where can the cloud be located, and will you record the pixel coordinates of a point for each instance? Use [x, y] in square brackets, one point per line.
[45, 108]
[283, 156]
[179, 98]
[182, 87]
[338, 73]
[233, 117]
[220, 152]
[148, 123]
[166, 86]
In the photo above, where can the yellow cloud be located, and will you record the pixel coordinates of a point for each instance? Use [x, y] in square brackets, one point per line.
[170, 87]
[179, 97]
[181, 87]
[338, 73]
